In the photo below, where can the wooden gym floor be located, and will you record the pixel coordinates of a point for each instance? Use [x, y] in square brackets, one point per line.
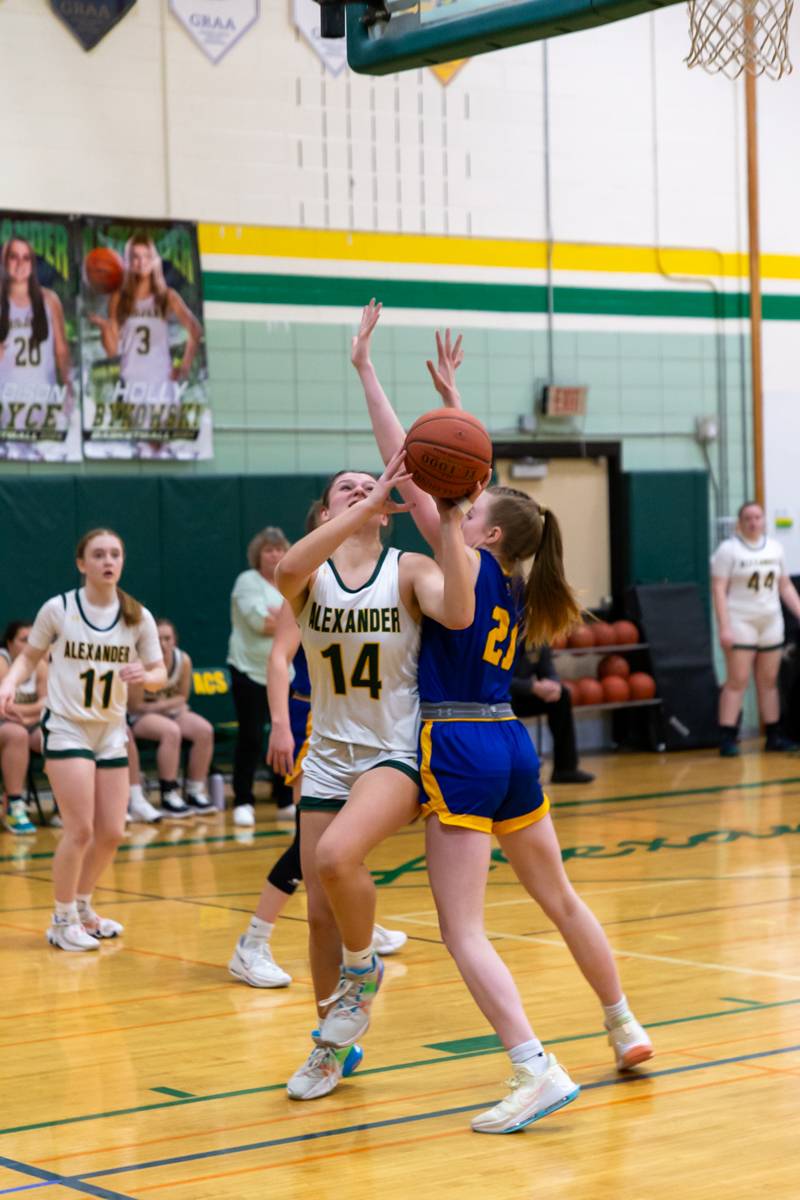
[144, 1069]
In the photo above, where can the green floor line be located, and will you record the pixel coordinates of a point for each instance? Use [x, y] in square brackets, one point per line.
[127, 846]
[405, 1066]
[704, 791]
[586, 803]
[165, 1091]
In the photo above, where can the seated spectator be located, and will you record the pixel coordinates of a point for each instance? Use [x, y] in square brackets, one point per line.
[537, 690]
[165, 717]
[20, 732]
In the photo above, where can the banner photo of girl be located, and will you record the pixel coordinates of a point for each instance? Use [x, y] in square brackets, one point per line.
[145, 377]
[40, 416]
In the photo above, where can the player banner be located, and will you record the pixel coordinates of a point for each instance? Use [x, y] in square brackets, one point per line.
[145, 379]
[40, 418]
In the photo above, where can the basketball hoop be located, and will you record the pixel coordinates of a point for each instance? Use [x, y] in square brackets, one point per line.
[733, 36]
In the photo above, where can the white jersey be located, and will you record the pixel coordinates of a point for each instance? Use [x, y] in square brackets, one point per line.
[27, 692]
[753, 572]
[83, 682]
[362, 648]
[26, 366]
[172, 686]
[144, 355]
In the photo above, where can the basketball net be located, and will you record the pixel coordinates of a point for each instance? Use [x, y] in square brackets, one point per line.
[733, 36]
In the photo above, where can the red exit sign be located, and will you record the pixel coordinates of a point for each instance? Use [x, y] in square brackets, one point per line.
[564, 401]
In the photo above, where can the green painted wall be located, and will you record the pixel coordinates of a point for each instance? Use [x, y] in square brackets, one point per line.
[286, 399]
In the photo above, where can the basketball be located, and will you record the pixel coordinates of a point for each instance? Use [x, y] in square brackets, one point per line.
[613, 664]
[104, 270]
[589, 691]
[580, 638]
[643, 687]
[603, 634]
[625, 633]
[559, 642]
[448, 452]
[615, 689]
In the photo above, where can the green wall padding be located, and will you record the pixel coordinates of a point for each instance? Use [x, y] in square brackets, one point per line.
[667, 519]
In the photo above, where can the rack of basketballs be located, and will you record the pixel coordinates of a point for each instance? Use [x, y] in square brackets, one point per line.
[604, 646]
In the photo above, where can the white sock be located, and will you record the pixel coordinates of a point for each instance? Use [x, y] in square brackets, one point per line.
[529, 1054]
[66, 912]
[358, 960]
[260, 931]
[135, 791]
[615, 1013]
[84, 903]
[195, 787]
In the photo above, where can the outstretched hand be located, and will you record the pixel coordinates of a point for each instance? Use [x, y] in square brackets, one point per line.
[359, 347]
[449, 508]
[449, 358]
[394, 476]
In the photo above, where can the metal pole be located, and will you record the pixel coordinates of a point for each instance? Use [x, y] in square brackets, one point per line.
[548, 215]
[756, 357]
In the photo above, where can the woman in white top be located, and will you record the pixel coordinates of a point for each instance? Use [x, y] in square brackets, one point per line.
[19, 731]
[255, 604]
[100, 640]
[748, 582]
[165, 717]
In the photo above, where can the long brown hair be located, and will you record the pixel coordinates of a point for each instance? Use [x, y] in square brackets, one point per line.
[158, 284]
[550, 605]
[130, 608]
[39, 326]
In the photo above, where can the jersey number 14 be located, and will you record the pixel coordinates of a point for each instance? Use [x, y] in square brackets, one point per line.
[366, 672]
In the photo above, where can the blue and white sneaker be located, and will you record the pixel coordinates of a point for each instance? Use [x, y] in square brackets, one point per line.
[17, 820]
[323, 1069]
[531, 1098]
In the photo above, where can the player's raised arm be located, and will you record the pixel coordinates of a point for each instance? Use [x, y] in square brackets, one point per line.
[449, 357]
[386, 426]
[294, 572]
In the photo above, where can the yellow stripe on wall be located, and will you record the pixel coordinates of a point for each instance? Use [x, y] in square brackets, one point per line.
[338, 245]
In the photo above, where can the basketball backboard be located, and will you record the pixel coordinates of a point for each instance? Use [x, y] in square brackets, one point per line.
[420, 33]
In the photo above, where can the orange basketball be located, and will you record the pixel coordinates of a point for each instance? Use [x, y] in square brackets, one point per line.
[559, 642]
[643, 687]
[625, 633]
[603, 633]
[448, 452]
[104, 270]
[590, 691]
[613, 664]
[615, 689]
[580, 637]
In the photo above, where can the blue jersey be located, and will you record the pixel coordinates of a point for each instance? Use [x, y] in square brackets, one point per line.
[475, 664]
[301, 684]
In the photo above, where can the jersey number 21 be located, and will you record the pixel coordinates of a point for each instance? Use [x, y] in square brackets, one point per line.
[493, 651]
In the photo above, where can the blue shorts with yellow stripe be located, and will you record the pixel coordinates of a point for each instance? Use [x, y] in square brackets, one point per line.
[300, 724]
[481, 775]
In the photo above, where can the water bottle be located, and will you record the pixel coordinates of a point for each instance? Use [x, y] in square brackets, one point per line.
[216, 791]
